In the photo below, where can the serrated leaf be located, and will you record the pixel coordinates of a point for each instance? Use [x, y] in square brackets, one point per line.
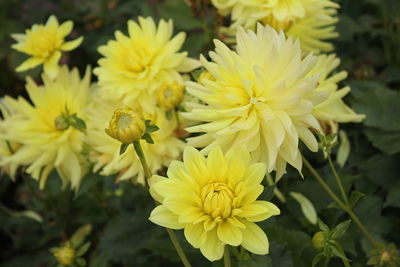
[355, 196]
[340, 229]
[123, 148]
[317, 258]
[306, 206]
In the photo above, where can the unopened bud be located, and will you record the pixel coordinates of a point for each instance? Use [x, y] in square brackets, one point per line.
[319, 240]
[169, 96]
[61, 122]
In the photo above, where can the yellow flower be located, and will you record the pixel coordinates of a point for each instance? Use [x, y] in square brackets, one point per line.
[105, 152]
[311, 21]
[126, 125]
[214, 200]
[169, 95]
[261, 97]
[333, 108]
[44, 43]
[34, 126]
[65, 255]
[7, 148]
[135, 66]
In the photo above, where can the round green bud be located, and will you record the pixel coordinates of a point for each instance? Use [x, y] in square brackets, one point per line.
[319, 240]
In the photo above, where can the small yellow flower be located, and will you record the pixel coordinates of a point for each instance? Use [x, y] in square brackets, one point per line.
[170, 95]
[126, 125]
[65, 255]
[133, 67]
[44, 43]
[214, 200]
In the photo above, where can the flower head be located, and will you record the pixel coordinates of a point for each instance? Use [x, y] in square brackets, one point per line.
[169, 95]
[105, 152]
[311, 21]
[44, 145]
[261, 97]
[333, 109]
[135, 66]
[214, 200]
[64, 255]
[44, 43]
[126, 125]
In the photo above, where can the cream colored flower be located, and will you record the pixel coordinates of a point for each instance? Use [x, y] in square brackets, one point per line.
[105, 152]
[44, 145]
[45, 43]
[214, 200]
[133, 67]
[261, 97]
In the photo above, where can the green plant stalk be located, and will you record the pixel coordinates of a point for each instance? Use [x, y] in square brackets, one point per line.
[277, 192]
[346, 263]
[171, 234]
[338, 181]
[227, 257]
[342, 205]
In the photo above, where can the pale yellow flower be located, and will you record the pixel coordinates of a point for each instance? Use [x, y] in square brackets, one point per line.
[261, 97]
[333, 109]
[311, 21]
[64, 255]
[214, 200]
[44, 145]
[105, 152]
[135, 66]
[45, 43]
[126, 125]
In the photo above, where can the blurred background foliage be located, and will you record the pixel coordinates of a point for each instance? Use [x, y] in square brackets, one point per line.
[33, 221]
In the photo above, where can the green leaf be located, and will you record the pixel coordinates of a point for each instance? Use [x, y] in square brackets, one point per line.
[269, 192]
[77, 123]
[148, 138]
[80, 235]
[340, 229]
[81, 262]
[123, 148]
[320, 256]
[306, 206]
[83, 249]
[150, 128]
[323, 226]
[338, 251]
[393, 197]
[355, 196]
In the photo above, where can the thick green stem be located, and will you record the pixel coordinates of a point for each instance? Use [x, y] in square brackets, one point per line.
[342, 205]
[338, 180]
[172, 236]
[277, 192]
[227, 257]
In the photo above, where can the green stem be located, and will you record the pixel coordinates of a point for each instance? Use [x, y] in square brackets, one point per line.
[172, 236]
[227, 257]
[338, 180]
[342, 205]
[326, 262]
[346, 263]
[277, 192]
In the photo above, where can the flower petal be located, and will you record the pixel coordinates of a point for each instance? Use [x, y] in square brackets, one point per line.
[164, 217]
[195, 234]
[254, 239]
[229, 234]
[259, 210]
[29, 64]
[213, 248]
[50, 66]
[71, 45]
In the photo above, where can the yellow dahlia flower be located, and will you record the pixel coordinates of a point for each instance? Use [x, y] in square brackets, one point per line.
[64, 255]
[135, 66]
[333, 108]
[7, 148]
[214, 200]
[45, 145]
[261, 96]
[105, 152]
[44, 43]
[311, 21]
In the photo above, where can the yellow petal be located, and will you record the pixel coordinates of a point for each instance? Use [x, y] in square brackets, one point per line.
[29, 64]
[213, 248]
[164, 217]
[229, 234]
[71, 45]
[50, 66]
[65, 28]
[153, 190]
[254, 239]
[195, 234]
[259, 210]
[189, 64]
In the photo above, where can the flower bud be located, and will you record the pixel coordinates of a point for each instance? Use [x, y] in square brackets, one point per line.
[61, 122]
[64, 255]
[126, 125]
[319, 240]
[170, 95]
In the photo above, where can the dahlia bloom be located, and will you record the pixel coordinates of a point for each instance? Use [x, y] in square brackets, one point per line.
[214, 200]
[46, 145]
[311, 21]
[133, 67]
[260, 96]
[105, 154]
[45, 43]
[333, 109]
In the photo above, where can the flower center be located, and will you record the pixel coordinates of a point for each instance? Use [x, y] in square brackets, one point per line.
[124, 121]
[217, 200]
